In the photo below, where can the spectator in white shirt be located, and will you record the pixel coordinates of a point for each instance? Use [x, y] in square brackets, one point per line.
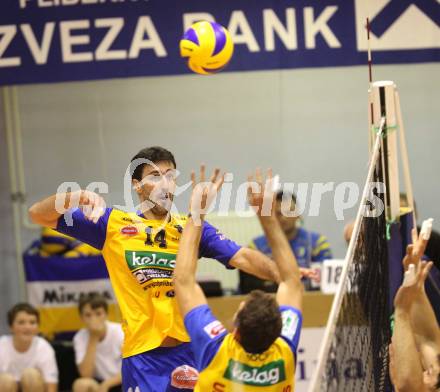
[27, 361]
[97, 348]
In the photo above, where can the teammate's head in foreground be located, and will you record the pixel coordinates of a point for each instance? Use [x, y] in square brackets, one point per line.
[154, 179]
[23, 321]
[258, 322]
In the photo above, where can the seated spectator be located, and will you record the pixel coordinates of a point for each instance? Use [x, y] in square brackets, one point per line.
[97, 348]
[415, 349]
[309, 247]
[27, 361]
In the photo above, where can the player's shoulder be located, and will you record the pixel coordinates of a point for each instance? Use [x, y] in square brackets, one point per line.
[179, 219]
[289, 313]
[115, 328]
[5, 340]
[291, 324]
[81, 335]
[43, 345]
[127, 216]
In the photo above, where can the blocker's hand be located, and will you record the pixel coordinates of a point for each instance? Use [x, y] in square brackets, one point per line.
[261, 193]
[204, 193]
[413, 284]
[415, 251]
[310, 273]
[92, 205]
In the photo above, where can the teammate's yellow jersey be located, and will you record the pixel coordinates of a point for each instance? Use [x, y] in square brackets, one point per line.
[226, 367]
[140, 255]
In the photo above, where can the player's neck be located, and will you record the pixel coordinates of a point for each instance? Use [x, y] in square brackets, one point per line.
[150, 215]
[291, 233]
[104, 333]
[20, 345]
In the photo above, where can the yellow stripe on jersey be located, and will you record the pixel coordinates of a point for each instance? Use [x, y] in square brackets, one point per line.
[321, 239]
[320, 248]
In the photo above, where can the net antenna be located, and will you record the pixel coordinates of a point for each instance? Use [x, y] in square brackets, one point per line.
[356, 331]
[395, 116]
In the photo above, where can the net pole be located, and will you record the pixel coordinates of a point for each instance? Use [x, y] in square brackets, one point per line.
[405, 160]
[370, 81]
[337, 301]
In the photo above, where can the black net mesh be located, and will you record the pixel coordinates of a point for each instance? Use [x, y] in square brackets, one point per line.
[358, 357]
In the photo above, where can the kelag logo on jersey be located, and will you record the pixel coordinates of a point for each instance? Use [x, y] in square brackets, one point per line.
[136, 259]
[264, 376]
[60, 40]
[150, 265]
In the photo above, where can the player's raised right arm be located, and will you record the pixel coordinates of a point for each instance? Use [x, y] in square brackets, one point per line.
[47, 211]
[290, 288]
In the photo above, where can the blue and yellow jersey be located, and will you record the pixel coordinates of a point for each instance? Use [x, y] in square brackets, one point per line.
[225, 366]
[140, 255]
[307, 246]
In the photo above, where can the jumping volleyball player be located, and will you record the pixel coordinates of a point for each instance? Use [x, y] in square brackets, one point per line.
[260, 354]
[140, 252]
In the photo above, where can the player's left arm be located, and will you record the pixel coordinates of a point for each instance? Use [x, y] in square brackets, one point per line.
[416, 330]
[407, 366]
[189, 294]
[255, 263]
[408, 371]
[423, 321]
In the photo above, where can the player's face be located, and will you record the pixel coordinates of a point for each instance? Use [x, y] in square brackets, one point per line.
[92, 316]
[288, 223]
[25, 327]
[158, 186]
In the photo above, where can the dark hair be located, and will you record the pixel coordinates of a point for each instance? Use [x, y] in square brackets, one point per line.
[22, 307]
[94, 300]
[280, 194]
[153, 154]
[259, 322]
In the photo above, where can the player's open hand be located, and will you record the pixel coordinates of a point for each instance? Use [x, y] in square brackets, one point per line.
[204, 193]
[310, 273]
[416, 250]
[413, 284]
[92, 205]
[261, 193]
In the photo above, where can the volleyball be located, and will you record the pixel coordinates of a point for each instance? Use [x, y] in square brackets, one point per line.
[208, 46]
